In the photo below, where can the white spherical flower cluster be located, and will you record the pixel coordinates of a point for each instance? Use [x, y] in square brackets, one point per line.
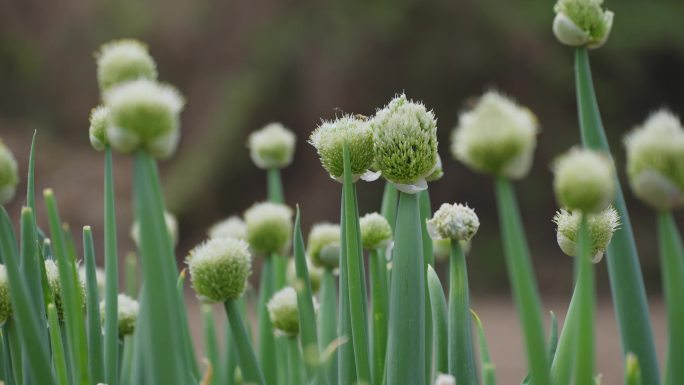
[231, 227]
[584, 180]
[272, 147]
[601, 227]
[283, 311]
[9, 174]
[455, 222]
[128, 309]
[323, 245]
[219, 269]
[123, 60]
[99, 119]
[582, 23]
[269, 227]
[376, 232]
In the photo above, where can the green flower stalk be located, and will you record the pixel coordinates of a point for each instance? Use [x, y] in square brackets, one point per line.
[231, 227]
[219, 269]
[323, 245]
[128, 314]
[99, 119]
[9, 174]
[171, 227]
[329, 139]
[269, 228]
[655, 161]
[272, 147]
[584, 180]
[601, 227]
[144, 114]
[582, 23]
[496, 137]
[122, 61]
[5, 301]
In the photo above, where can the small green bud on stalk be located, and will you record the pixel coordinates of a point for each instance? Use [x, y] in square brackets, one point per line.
[128, 314]
[219, 269]
[283, 311]
[99, 119]
[582, 23]
[496, 137]
[171, 227]
[329, 138]
[456, 222]
[122, 61]
[315, 275]
[655, 161]
[231, 227]
[405, 138]
[52, 273]
[272, 147]
[445, 379]
[9, 174]
[324, 245]
[269, 227]
[5, 301]
[601, 227]
[376, 232]
[584, 180]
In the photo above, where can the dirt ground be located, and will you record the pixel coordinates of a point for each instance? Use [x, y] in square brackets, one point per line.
[503, 334]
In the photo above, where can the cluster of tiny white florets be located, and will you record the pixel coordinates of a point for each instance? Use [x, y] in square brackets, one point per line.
[128, 309]
[445, 379]
[453, 221]
[496, 137]
[9, 174]
[269, 227]
[655, 160]
[405, 138]
[5, 301]
[601, 227]
[315, 275]
[99, 119]
[283, 311]
[219, 269]
[376, 232]
[329, 139]
[272, 147]
[323, 245]
[55, 285]
[582, 23]
[123, 60]
[584, 180]
[171, 226]
[231, 227]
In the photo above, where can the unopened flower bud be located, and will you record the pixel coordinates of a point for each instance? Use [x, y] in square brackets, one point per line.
[584, 180]
[376, 232]
[324, 245]
[269, 227]
[496, 137]
[582, 23]
[128, 314]
[655, 161]
[455, 222]
[171, 227]
[219, 269]
[231, 227]
[315, 274]
[601, 227]
[99, 119]
[122, 61]
[5, 300]
[283, 311]
[405, 137]
[272, 147]
[9, 174]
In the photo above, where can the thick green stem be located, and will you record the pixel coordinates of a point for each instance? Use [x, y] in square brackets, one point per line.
[627, 286]
[523, 282]
[461, 355]
[672, 267]
[111, 328]
[266, 351]
[251, 372]
[379, 302]
[295, 369]
[327, 323]
[345, 355]
[439, 318]
[429, 260]
[406, 339]
[584, 357]
[210, 346]
[93, 310]
[390, 199]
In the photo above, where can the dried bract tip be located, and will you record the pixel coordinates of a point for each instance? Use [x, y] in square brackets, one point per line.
[584, 180]
[9, 174]
[601, 227]
[124, 60]
[456, 222]
[376, 232]
[283, 311]
[323, 245]
[272, 147]
[219, 269]
[231, 227]
[582, 23]
[496, 137]
[269, 227]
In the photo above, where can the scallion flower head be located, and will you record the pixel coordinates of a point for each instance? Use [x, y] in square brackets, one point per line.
[9, 174]
[171, 227]
[99, 119]
[219, 269]
[376, 232]
[269, 227]
[601, 228]
[5, 301]
[283, 311]
[655, 161]
[496, 137]
[231, 227]
[128, 313]
[323, 245]
[456, 222]
[55, 285]
[144, 114]
[315, 275]
[405, 137]
[272, 147]
[582, 23]
[329, 139]
[584, 180]
[122, 61]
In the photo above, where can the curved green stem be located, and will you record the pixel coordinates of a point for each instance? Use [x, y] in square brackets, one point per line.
[251, 372]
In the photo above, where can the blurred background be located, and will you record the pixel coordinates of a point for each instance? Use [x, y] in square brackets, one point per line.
[242, 65]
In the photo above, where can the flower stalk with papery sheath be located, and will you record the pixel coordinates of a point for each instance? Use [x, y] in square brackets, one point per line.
[582, 23]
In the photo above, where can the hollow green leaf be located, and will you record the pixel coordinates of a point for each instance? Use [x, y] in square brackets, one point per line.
[390, 200]
[251, 371]
[95, 350]
[379, 312]
[188, 346]
[266, 350]
[461, 353]
[428, 259]
[584, 356]
[488, 374]
[345, 355]
[132, 284]
[210, 338]
[295, 369]
[438, 306]
[327, 321]
[58, 358]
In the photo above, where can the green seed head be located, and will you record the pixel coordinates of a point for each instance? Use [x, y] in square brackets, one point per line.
[171, 227]
[128, 314]
[283, 311]
[496, 137]
[324, 245]
[55, 285]
[99, 119]
[122, 61]
[9, 174]
[601, 229]
[582, 23]
[405, 137]
[5, 301]
[315, 275]
[655, 161]
[269, 227]
[376, 232]
[272, 147]
[144, 114]
[584, 180]
[445, 379]
[456, 222]
[329, 138]
[219, 269]
[231, 227]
